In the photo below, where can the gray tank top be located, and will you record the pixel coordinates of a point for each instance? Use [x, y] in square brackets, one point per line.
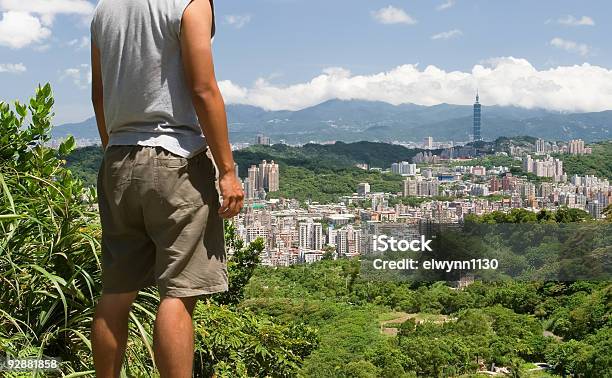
[146, 98]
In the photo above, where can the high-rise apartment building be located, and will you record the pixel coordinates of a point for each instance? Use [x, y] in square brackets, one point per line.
[269, 176]
[595, 209]
[494, 184]
[395, 168]
[311, 235]
[348, 241]
[236, 169]
[404, 168]
[261, 179]
[547, 167]
[540, 147]
[262, 139]
[410, 187]
[251, 184]
[576, 147]
[419, 187]
[378, 201]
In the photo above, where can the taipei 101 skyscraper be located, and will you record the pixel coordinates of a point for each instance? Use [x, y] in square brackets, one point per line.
[477, 108]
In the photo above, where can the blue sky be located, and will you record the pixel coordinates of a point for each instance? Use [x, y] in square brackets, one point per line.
[288, 54]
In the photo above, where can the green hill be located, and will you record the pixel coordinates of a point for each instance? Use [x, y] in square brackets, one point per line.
[599, 163]
[313, 171]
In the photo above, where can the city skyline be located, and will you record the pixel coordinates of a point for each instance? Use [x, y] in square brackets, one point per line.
[295, 233]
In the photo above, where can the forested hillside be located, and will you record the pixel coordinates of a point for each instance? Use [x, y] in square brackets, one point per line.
[599, 163]
[310, 156]
[324, 172]
[402, 329]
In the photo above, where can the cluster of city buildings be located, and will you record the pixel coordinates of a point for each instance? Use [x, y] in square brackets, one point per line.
[295, 232]
[261, 179]
[545, 147]
[404, 168]
[547, 167]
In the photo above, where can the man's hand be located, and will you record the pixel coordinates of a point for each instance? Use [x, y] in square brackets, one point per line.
[233, 196]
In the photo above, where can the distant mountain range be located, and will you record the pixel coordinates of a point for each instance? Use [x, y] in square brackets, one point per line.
[379, 121]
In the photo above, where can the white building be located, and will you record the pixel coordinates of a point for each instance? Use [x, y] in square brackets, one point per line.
[363, 188]
[311, 235]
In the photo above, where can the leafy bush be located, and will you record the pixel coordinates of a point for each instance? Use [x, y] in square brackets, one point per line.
[50, 271]
[48, 248]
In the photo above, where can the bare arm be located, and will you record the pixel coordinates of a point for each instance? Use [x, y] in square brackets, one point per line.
[196, 28]
[97, 92]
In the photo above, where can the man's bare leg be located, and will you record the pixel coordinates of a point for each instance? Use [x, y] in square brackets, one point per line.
[109, 333]
[173, 337]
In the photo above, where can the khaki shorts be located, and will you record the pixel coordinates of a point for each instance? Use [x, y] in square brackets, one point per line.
[160, 224]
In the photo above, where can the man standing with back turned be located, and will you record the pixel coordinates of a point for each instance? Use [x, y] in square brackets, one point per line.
[159, 110]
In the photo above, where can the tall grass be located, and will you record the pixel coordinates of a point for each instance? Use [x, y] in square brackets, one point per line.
[48, 242]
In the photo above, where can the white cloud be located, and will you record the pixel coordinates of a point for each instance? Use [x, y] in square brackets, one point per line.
[80, 76]
[448, 34]
[29, 22]
[392, 15]
[237, 20]
[80, 43]
[573, 21]
[19, 29]
[571, 46]
[501, 81]
[445, 5]
[13, 68]
[48, 9]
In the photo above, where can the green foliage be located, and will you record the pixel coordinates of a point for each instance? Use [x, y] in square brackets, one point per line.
[240, 344]
[599, 163]
[503, 143]
[84, 163]
[326, 185]
[485, 323]
[583, 314]
[491, 161]
[562, 215]
[240, 267]
[326, 156]
[50, 272]
[48, 259]
[323, 173]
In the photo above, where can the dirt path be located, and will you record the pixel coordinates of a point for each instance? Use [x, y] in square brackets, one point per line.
[392, 331]
[403, 316]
